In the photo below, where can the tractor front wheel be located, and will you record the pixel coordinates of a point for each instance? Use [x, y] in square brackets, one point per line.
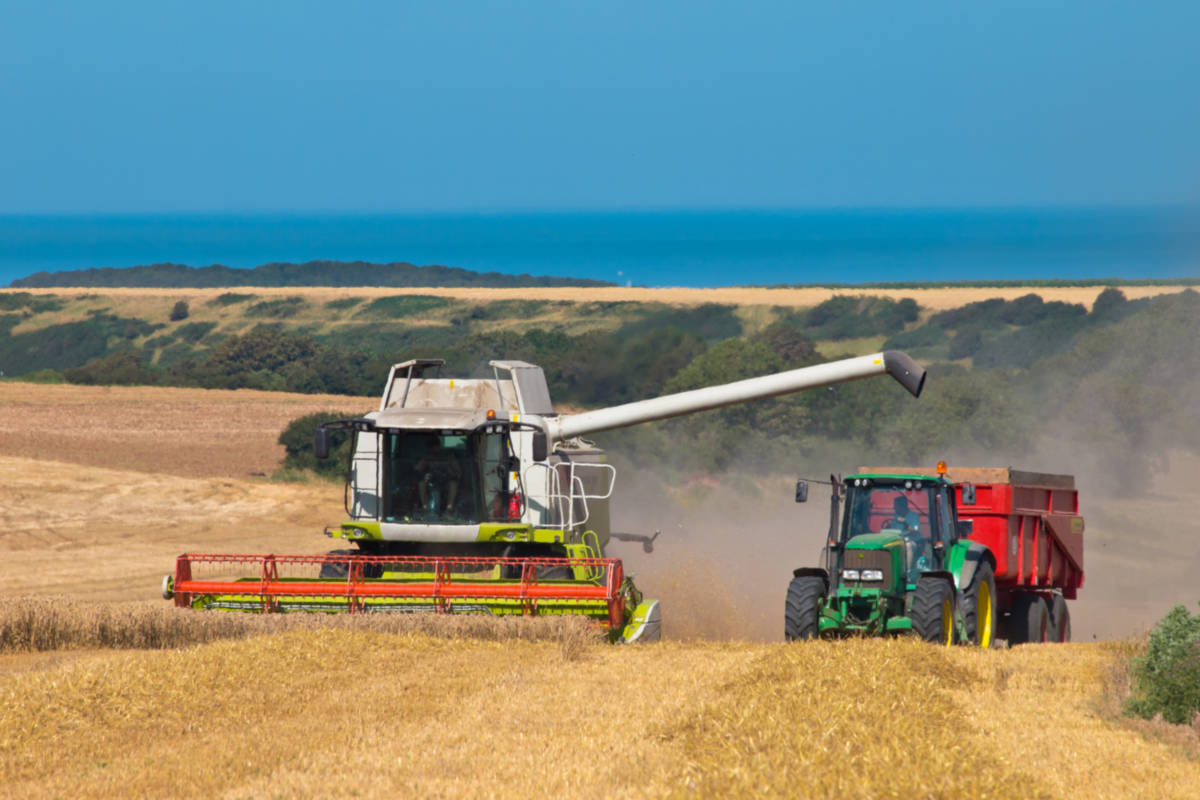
[803, 607]
[1030, 620]
[933, 610]
[979, 607]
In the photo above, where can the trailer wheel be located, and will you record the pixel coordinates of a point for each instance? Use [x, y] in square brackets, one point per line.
[1060, 619]
[979, 608]
[1030, 620]
[803, 607]
[933, 610]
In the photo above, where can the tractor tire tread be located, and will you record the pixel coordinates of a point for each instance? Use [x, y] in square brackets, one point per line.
[928, 606]
[803, 607]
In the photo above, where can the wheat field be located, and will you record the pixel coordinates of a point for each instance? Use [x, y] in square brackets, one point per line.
[105, 691]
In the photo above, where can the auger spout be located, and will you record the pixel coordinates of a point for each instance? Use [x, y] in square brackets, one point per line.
[891, 362]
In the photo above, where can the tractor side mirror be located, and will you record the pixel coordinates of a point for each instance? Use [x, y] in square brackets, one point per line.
[968, 494]
[540, 446]
[321, 443]
[801, 491]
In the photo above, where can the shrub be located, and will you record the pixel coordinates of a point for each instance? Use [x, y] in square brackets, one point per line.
[1167, 677]
[278, 308]
[179, 311]
[297, 440]
[231, 298]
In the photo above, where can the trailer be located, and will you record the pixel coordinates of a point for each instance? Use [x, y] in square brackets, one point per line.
[964, 555]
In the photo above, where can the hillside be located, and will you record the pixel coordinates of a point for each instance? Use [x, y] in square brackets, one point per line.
[310, 273]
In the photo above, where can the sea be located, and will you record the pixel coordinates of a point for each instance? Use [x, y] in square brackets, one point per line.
[644, 248]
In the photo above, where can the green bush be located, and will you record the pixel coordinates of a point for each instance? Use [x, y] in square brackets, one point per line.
[1167, 677]
[277, 308]
[297, 441]
[179, 311]
[231, 298]
[400, 305]
[44, 376]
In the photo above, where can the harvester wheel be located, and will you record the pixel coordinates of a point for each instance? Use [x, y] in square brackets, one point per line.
[1060, 620]
[336, 570]
[1030, 620]
[979, 607]
[933, 610]
[803, 607]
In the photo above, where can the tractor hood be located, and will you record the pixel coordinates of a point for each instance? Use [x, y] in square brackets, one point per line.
[875, 541]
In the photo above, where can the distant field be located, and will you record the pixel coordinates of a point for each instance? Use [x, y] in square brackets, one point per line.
[935, 299]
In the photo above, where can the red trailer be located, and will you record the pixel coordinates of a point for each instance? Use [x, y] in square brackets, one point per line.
[1030, 523]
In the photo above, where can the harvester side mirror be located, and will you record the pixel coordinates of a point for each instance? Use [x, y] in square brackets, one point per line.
[321, 443]
[801, 491]
[968, 494]
[540, 446]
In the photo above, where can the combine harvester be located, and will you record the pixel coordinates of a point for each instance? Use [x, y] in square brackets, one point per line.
[968, 555]
[475, 496]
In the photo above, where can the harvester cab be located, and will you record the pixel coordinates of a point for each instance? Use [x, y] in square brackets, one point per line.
[474, 495]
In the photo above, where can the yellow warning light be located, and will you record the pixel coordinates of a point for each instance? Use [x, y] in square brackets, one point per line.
[941, 468]
[491, 413]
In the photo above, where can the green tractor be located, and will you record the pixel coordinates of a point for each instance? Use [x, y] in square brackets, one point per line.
[896, 562]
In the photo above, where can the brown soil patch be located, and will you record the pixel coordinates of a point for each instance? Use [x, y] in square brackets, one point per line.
[187, 432]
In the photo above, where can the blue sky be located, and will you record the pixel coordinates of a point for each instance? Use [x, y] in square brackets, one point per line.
[450, 106]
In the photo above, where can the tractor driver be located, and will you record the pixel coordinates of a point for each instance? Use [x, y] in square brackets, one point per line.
[908, 522]
[440, 475]
[916, 546]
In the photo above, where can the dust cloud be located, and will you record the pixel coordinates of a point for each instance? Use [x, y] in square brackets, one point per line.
[729, 543]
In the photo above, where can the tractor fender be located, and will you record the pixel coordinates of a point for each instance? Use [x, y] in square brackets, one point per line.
[817, 572]
[965, 560]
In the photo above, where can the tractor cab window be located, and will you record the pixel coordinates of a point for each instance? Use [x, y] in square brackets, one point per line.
[442, 476]
[910, 512]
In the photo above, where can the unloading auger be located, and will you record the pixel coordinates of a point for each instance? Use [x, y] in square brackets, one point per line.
[475, 496]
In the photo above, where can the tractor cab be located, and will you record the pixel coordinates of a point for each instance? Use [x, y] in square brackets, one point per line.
[910, 515]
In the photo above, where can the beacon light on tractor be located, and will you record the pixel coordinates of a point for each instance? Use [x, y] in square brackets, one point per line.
[474, 496]
[965, 556]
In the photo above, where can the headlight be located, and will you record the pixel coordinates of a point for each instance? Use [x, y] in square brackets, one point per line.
[872, 574]
[850, 575]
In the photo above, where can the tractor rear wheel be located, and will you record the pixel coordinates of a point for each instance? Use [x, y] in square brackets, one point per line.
[979, 607]
[1060, 619]
[1030, 620]
[933, 610]
[803, 607]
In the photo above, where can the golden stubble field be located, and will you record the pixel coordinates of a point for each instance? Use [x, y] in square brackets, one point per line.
[357, 710]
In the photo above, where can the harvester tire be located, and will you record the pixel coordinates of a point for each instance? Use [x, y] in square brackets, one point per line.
[979, 608]
[933, 610]
[1030, 620]
[1060, 620]
[336, 570]
[803, 608]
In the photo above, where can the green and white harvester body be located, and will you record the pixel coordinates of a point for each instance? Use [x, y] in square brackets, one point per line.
[475, 496]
